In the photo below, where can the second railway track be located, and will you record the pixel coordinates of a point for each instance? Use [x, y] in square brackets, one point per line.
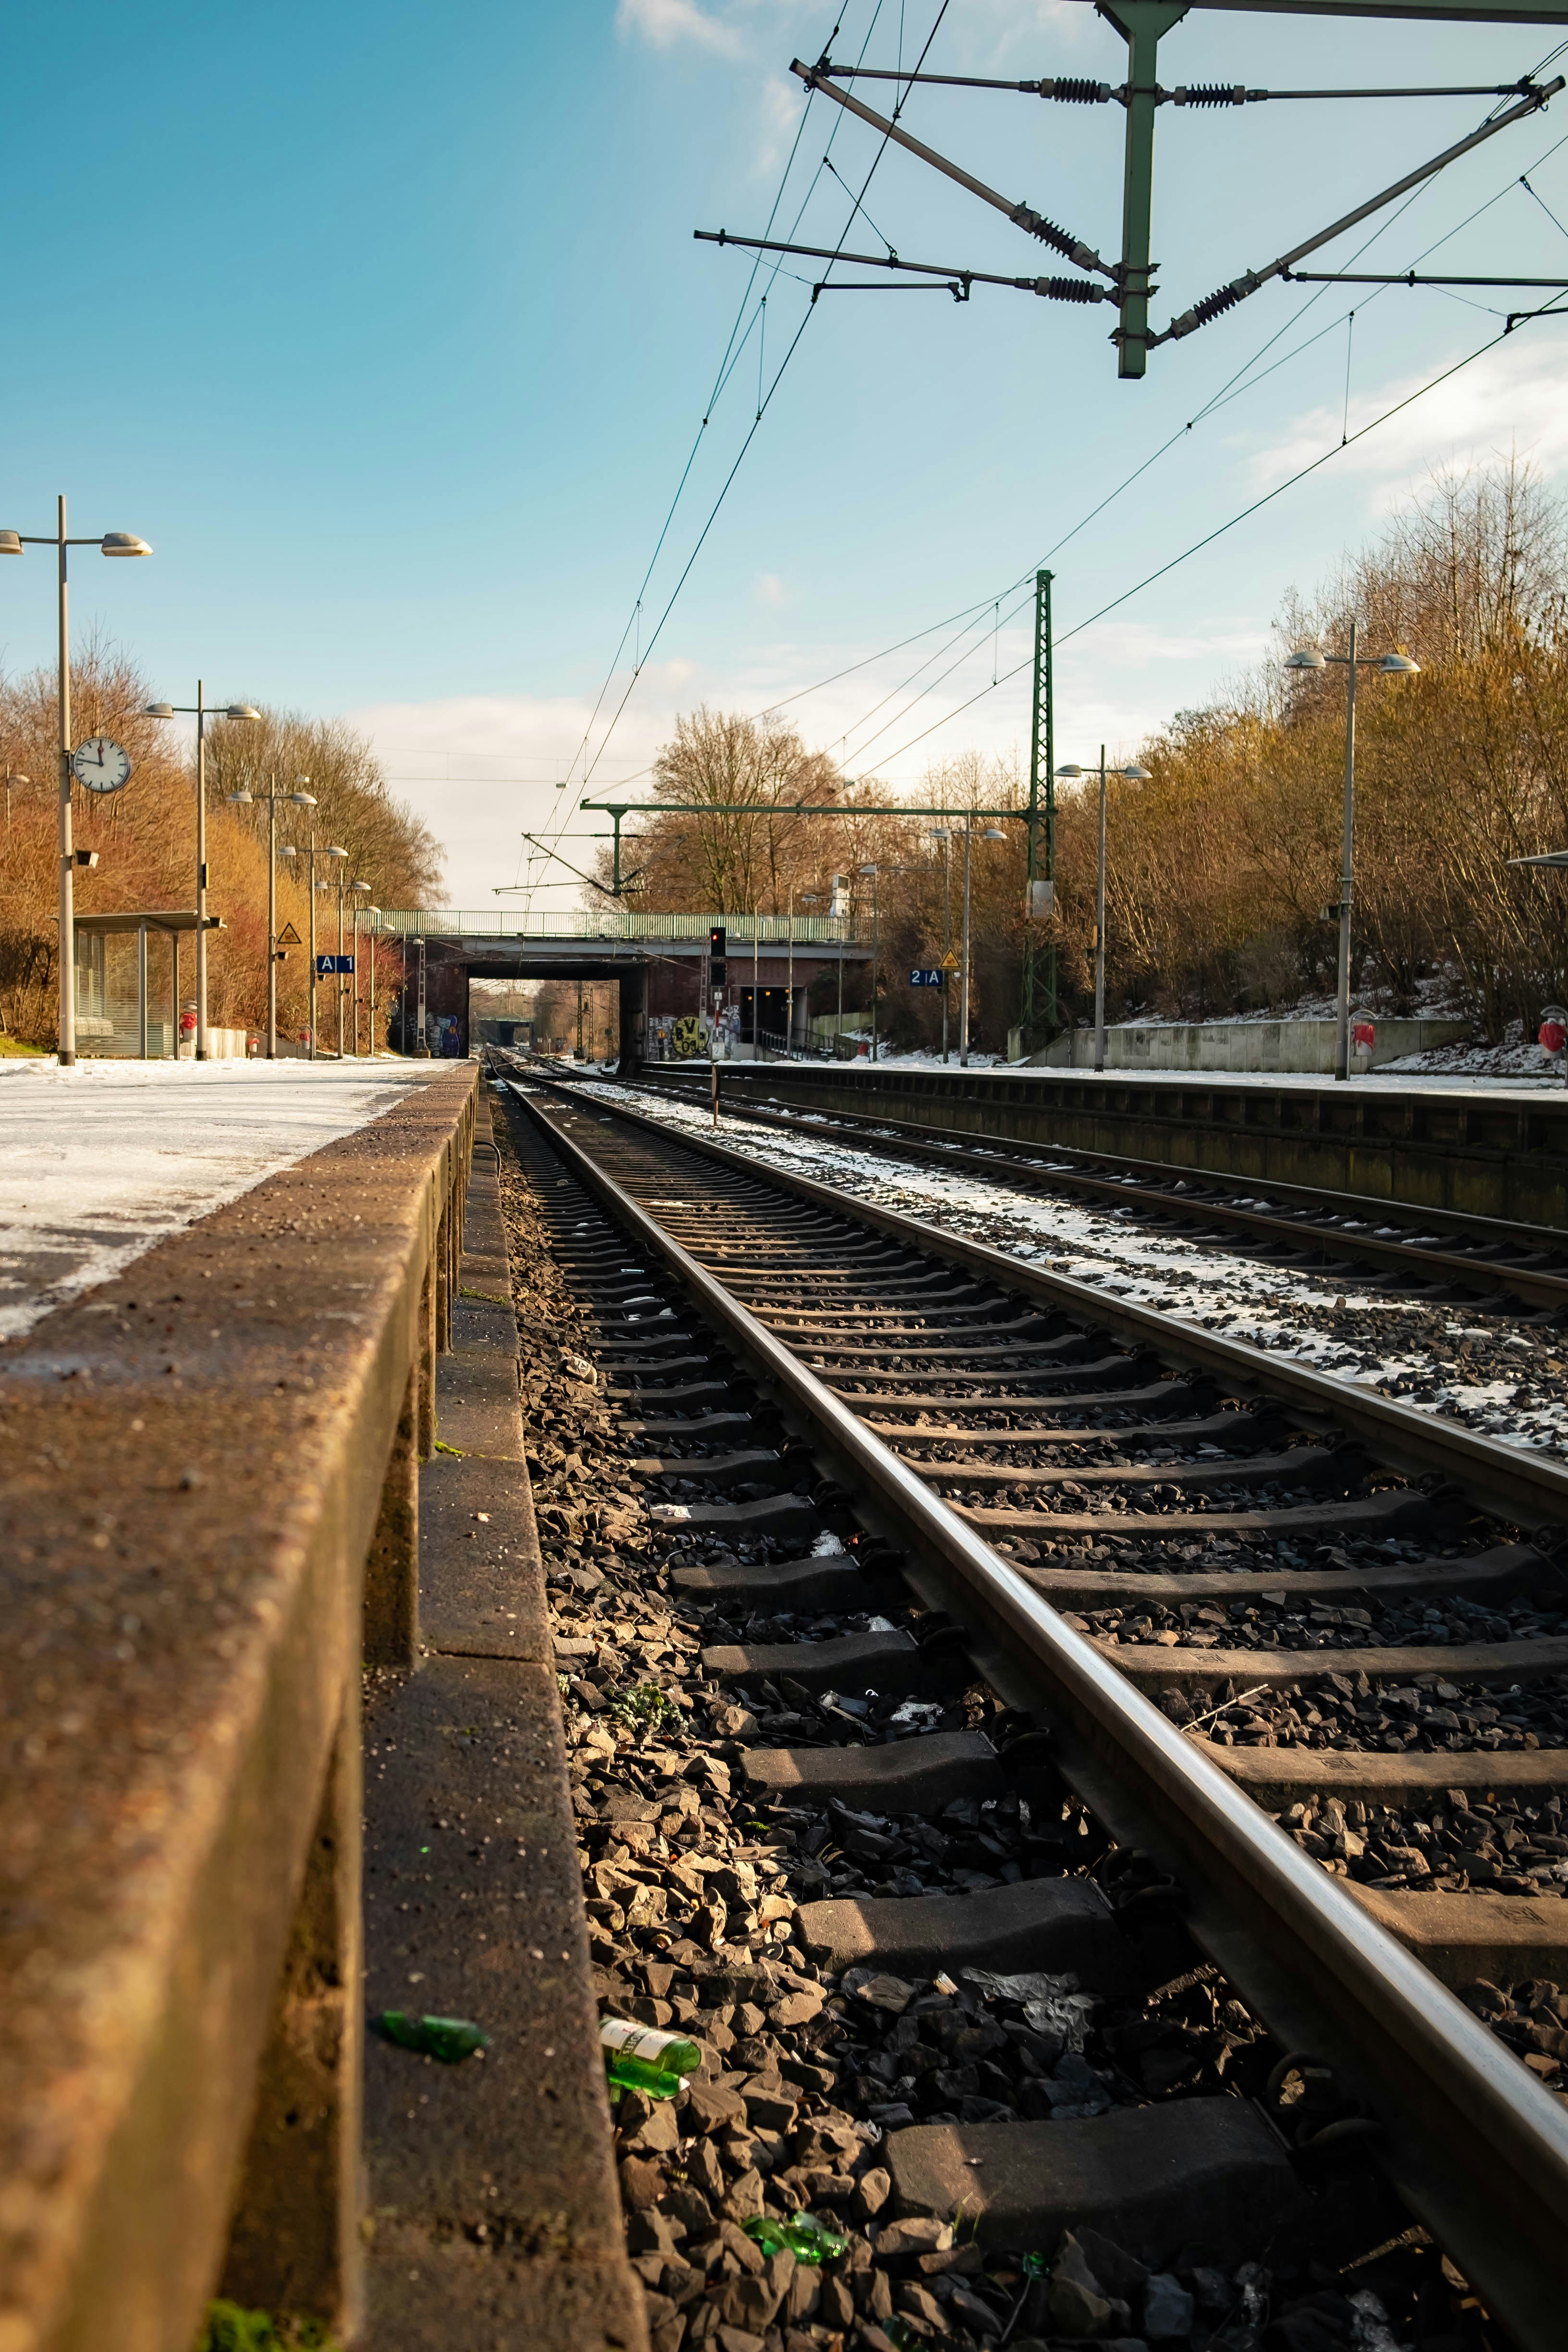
[1300, 1651]
[1440, 1255]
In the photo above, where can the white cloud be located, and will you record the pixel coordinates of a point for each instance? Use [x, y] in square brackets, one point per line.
[664, 22]
[1509, 399]
[780, 114]
[769, 589]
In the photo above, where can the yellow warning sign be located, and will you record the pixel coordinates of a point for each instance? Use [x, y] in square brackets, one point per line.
[289, 937]
[950, 961]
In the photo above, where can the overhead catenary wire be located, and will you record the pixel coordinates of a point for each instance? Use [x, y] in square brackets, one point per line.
[1243, 515]
[740, 459]
[1240, 382]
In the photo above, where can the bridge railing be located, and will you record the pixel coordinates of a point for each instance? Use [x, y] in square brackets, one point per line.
[447, 922]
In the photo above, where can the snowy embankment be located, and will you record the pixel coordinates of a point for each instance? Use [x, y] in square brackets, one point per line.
[98, 1162]
[1491, 1370]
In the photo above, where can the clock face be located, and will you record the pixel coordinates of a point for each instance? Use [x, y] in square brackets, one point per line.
[101, 765]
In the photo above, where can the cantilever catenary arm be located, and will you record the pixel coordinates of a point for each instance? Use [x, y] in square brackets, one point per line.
[1024, 216]
[1054, 289]
[1213, 306]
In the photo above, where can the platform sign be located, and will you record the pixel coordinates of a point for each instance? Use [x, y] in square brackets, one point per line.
[926, 976]
[330, 964]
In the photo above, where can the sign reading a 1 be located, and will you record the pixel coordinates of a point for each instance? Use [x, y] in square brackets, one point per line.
[325, 964]
[101, 765]
[926, 976]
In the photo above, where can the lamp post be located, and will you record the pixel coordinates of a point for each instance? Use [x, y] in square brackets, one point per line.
[1135, 775]
[354, 976]
[341, 856]
[271, 797]
[877, 872]
[1392, 666]
[807, 899]
[111, 542]
[373, 913]
[200, 712]
[992, 832]
[944, 834]
[309, 853]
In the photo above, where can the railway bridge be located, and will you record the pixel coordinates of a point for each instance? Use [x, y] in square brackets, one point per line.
[659, 962]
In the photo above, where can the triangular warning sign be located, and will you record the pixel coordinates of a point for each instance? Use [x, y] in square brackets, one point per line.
[289, 937]
[950, 961]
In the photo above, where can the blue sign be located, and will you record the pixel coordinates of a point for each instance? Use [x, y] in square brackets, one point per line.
[324, 964]
[925, 976]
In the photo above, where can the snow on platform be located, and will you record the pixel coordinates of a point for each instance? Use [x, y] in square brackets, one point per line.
[98, 1162]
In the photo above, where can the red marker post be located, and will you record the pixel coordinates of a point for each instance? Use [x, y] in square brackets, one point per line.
[1553, 1035]
[1363, 1037]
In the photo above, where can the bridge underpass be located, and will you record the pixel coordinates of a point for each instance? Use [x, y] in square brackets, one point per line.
[659, 963]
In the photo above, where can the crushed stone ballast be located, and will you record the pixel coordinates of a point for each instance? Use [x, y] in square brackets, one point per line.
[1383, 1529]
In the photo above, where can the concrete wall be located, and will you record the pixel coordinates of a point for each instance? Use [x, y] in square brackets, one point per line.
[1242, 1045]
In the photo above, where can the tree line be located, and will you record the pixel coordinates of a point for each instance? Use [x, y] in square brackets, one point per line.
[145, 839]
[1221, 863]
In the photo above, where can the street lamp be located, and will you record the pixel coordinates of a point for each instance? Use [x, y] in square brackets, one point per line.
[309, 853]
[269, 800]
[992, 832]
[1135, 775]
[1308, 657]
[374, 915]
[943, 834]
[199, 710]
[875, 874]
[807, 899]
[366, 887]
[341, 857]
[112, 542]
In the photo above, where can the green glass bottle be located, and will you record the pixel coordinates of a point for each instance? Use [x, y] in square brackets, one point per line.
[643, 2058]
[808, 2239]
[450, 2039]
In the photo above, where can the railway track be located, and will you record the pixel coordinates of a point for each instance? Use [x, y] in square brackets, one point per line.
[1298, 1651]
[1442, 1258]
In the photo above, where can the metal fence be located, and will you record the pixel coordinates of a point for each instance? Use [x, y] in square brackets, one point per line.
[445, 922]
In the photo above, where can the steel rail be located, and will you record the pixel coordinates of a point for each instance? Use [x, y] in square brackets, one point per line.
[1497, 2197]
[1511, 1481]
[929, 1146]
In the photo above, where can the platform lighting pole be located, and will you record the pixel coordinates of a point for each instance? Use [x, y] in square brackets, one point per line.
[789, 983]
[1042, 760]
[110, 542]
[271, 797]
[200, 712]
[1394, 666]
[341, 857]
[373, 915]
[875, 874]
[944, 834]
[1135, 775]
[757, 983]
[353, 976]
[424, 1046]
[992, 832]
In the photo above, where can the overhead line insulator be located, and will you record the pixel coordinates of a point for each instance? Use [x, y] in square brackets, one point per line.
[1072, 289]
[1074, 91]
[1213, 93]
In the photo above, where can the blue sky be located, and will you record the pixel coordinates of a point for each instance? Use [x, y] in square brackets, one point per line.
[387, 328]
